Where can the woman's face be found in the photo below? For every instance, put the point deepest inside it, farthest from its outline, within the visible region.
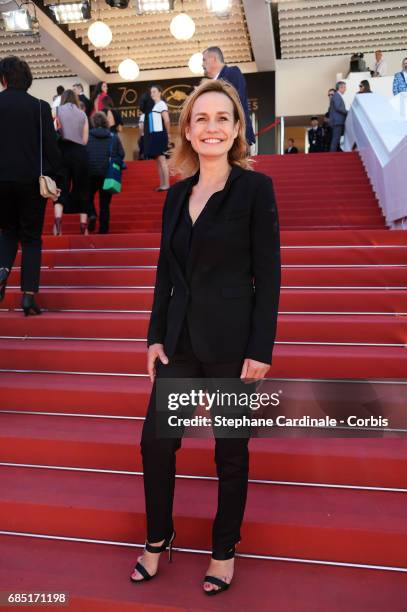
(155, 94)
(213, 129)
(104, 87)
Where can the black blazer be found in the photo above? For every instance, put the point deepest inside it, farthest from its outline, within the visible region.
(87, 104)
(20, 137)
(231, 291)
(316, 139)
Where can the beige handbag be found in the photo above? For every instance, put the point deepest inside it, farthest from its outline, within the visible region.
(48, 187)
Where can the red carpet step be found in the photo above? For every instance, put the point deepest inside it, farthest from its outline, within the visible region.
(129, 357)
(387, 328)
(100, 444)
(96, 577)
(291, 521)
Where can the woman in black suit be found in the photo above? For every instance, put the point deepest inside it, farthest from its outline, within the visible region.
(22, 208)
(215, 309)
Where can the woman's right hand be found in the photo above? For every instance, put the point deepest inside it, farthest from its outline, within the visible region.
(155, 351)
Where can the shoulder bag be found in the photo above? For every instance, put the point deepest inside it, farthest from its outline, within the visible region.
(48, 187)
(113, 179)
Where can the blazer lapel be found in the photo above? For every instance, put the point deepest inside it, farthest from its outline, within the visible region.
(209, 218)
(176, 208)
(221, 74)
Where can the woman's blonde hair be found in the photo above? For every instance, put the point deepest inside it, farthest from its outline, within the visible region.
(184, 160)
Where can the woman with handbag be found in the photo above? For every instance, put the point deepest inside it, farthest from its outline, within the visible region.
(102, 145)
(73, 128)
(214, 312)
(28, 148)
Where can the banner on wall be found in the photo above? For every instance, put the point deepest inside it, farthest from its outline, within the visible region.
(261, 94)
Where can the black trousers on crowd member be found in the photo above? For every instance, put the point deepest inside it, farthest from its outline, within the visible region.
(73, 178)
(158, 454)
(95, 185)
(22, 211)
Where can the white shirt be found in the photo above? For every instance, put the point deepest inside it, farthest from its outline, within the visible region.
(56, 102)
(380, 68)
(155, 117)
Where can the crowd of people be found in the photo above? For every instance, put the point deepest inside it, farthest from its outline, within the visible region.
(88, 139)
(326, 132)
(88, 135)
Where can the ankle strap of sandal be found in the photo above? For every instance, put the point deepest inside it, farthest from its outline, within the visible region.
(156, 549)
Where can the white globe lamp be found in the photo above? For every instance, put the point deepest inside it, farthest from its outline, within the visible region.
(99, 34)
(129, 70)
(195, 63)
(182, 27)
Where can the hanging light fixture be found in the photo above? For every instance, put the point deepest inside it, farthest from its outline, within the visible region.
(129, 69)
(182, 26)
(221, 8)
(195, 63)
(99, 33)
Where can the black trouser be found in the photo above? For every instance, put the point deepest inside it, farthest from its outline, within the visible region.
(96, 184)
(73, 178)
(158, 453)
(22, 211)
(337, 132)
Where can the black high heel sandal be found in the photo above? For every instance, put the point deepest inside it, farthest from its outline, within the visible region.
(29, 306)
(168, 542)
(223, 586)
(4, 273)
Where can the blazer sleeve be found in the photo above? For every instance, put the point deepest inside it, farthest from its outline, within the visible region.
(266, 269)
(162, 293)
(235, 77)
(339, 105)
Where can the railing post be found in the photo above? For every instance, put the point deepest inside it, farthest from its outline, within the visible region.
(281, 135)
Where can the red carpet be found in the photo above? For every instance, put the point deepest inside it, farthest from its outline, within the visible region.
(343, 314)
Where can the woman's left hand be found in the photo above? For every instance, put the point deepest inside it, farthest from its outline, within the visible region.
(253, 370)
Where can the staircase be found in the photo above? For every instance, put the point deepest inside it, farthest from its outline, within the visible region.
(320, 191)
(325, 527)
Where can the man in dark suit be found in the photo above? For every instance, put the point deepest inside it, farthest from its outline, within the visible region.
(337, 115)
(22, 208)
(315, 136)
(291, 146)
(215, 68)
